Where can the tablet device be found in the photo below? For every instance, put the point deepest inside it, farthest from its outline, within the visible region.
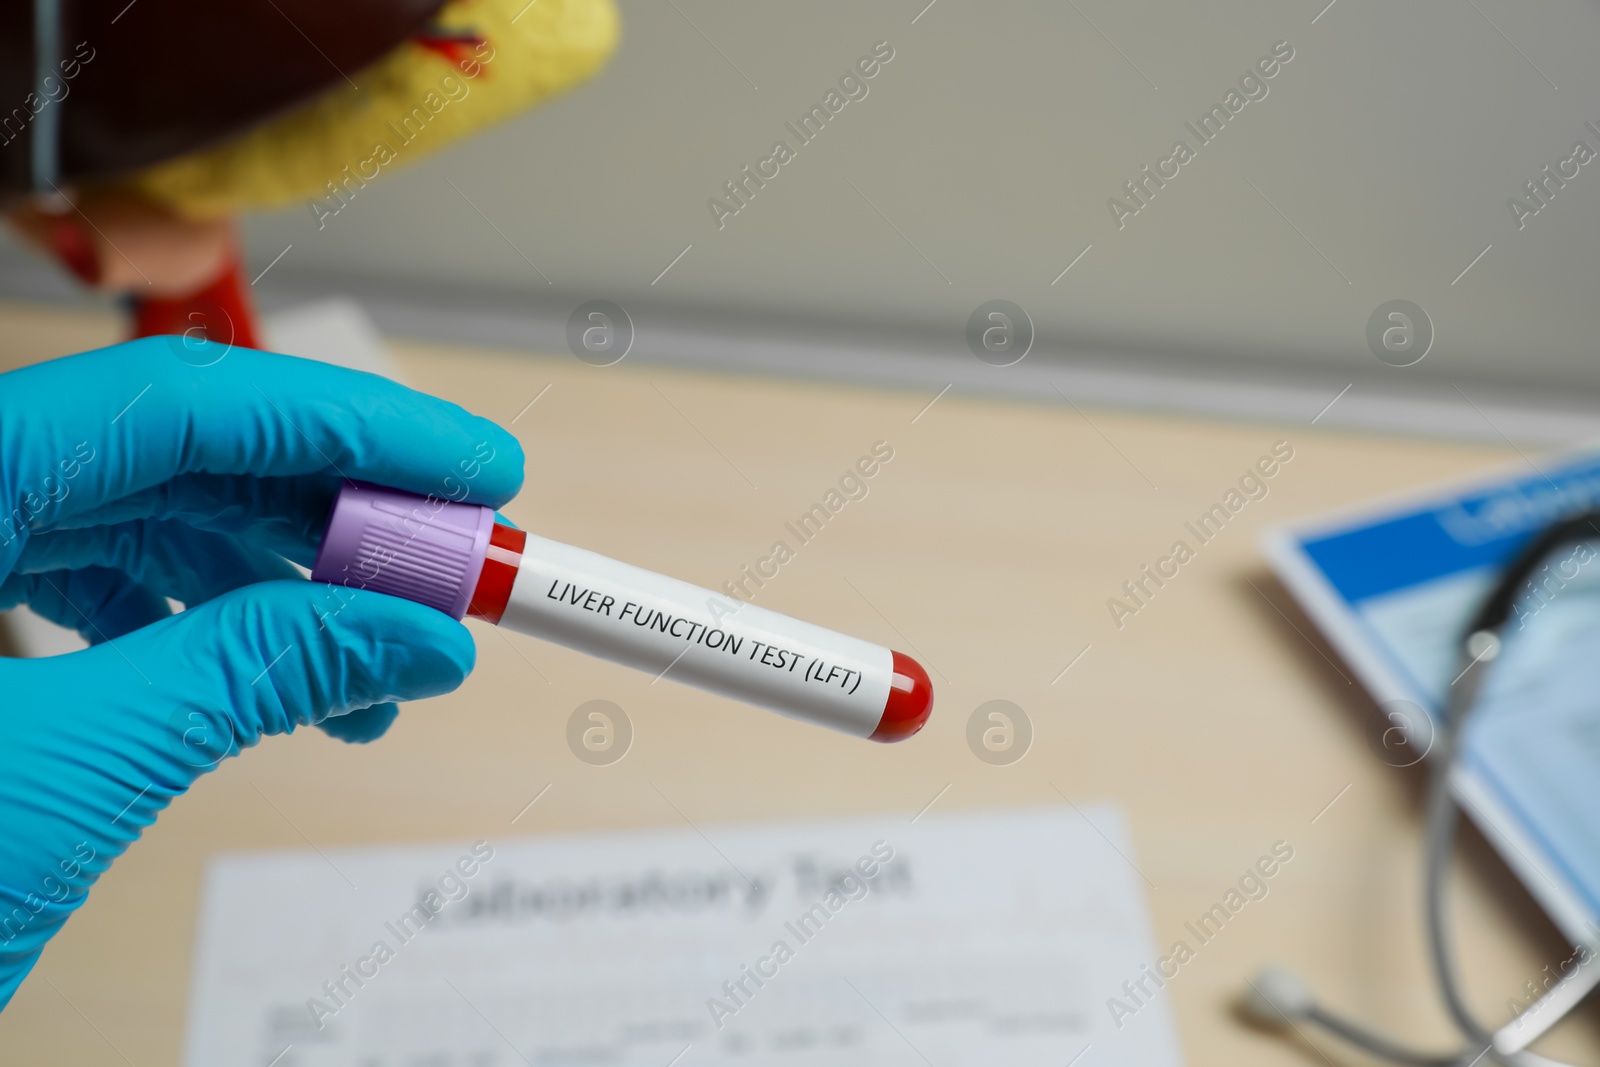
(1393, 585)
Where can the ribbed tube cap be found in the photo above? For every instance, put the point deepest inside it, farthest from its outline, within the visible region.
(425, 549)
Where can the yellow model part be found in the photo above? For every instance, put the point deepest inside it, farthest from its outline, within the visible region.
(412, 102)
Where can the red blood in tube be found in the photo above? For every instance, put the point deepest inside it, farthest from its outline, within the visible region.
(910, 701)
(499, 573)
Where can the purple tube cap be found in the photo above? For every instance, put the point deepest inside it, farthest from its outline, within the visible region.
(423, 548)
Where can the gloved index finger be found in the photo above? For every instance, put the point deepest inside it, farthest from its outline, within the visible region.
(134, 416)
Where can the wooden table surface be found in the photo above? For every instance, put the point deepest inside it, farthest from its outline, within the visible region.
(989, 546)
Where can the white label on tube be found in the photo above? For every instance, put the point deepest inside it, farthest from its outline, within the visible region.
(645, 620)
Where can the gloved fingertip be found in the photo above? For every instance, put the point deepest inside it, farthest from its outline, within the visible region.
(362, 725)
(502, 476)
(292, 653)
(424, 652)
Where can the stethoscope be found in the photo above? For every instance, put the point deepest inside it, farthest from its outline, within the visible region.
(1279, 999)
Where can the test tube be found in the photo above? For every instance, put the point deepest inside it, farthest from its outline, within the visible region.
(458, 559)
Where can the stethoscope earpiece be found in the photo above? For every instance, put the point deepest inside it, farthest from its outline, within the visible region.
(1276, 997)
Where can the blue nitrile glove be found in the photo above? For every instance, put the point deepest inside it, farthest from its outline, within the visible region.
(169, 467)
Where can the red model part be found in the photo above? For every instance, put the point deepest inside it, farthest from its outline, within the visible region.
(221, 311)
(910, 701)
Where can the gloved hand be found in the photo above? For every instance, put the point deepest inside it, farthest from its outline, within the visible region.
(170, 467)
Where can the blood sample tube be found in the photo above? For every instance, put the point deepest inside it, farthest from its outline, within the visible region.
(458, 559)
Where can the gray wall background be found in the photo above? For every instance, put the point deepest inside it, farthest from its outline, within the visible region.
(979, 166)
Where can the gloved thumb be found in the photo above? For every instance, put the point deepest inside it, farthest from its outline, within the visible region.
(103, 739)
(268, 658)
